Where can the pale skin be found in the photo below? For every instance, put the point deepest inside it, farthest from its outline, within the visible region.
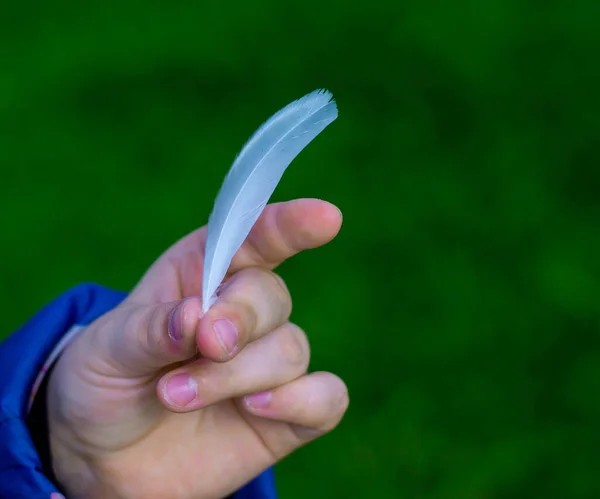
(150, 402)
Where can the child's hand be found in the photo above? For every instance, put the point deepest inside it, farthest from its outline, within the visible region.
(152, 401)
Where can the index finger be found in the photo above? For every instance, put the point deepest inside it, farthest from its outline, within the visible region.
(286, 229)
(283, 230)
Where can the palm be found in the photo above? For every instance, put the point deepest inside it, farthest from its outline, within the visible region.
(214, 440)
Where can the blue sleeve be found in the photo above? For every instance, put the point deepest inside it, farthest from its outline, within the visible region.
(22, 356)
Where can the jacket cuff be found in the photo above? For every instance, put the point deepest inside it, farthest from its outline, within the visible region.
(25, 358)
(22, 357)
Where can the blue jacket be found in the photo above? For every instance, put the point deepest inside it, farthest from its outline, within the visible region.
(25, 470)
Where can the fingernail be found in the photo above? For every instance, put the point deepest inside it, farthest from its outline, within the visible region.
(175, 323)
(258, 400)
(226, 334)
(56, 495)
(181, 390)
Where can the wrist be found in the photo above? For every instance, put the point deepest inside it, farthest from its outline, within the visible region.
(69, 467)
(72, 473)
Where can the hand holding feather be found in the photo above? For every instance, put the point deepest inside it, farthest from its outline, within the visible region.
(253, 177)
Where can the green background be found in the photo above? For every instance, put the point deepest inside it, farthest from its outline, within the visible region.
(460, 302)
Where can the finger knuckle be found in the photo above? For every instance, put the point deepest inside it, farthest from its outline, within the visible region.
(261, 300)
(294, 346)
(279, 286)
(144, 326)
(281, 294)
(273, 285)
(273, 282)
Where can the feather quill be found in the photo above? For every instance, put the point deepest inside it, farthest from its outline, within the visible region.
(253, 177)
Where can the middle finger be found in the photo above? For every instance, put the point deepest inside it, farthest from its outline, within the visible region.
(251, 303)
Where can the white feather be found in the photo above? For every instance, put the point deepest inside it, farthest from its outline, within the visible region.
(253, 177)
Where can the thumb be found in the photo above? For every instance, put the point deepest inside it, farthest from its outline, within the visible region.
(138, 340)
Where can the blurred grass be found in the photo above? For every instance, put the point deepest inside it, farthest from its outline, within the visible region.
(461, 300)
